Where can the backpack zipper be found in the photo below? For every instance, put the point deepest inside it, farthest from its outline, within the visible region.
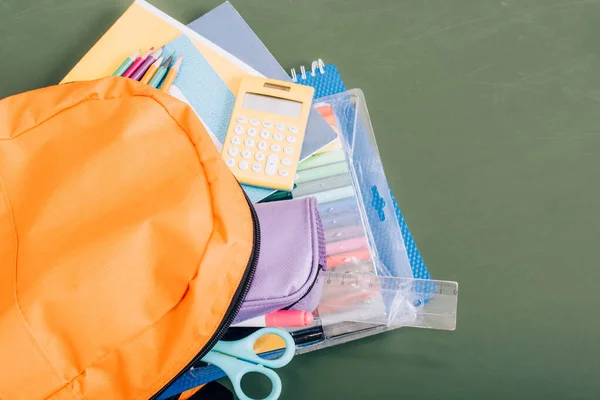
(236, 303)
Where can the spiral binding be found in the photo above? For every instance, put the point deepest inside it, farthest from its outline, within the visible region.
(317, 65)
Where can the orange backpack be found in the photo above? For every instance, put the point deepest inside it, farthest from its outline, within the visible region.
(126, 245)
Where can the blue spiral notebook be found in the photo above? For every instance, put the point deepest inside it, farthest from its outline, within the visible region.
(327, 81)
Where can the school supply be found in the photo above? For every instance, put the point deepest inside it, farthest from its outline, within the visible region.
(290, 261)
(389, 301)
(161, 72)
(224, 27)
(237, 358)
(320, 185)
(151, 71)
(327, 81)
(139, 73)
(171, 75)
(311, 174)
(342, 234)
(136, 191)
(281, 318)
(272, 116)
(137, 63)
(126, 64)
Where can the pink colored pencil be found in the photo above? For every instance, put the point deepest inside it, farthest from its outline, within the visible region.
(136, 64)
(139, 73)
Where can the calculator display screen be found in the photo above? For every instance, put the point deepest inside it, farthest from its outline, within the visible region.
(276, 105)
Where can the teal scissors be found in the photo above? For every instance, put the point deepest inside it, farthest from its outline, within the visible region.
(237, 358)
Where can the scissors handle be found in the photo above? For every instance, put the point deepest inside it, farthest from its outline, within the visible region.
(236, 369)
(244, 348)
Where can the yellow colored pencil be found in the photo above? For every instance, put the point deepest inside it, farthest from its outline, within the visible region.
(151, 71)
(171, 75)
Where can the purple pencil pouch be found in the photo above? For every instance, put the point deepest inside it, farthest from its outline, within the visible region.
(292, 252)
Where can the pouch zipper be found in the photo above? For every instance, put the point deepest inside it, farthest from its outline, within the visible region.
(236, 303)
(310, 288)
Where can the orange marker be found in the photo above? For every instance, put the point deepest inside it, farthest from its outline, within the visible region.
(171, 75)
(151, 71)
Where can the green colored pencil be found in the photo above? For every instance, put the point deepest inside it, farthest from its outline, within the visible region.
(126, 64)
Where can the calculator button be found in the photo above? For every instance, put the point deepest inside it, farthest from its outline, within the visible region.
(252, 132)
(281, 127)
(262, 145)
(254, 122)
(291, 139)
(278, 136)
(236, 140)
(233, 151)
(241, 120)
(243, 165)
(246, 154)
(256, 167)
(268, 124)
(230, 162)
(285, 161)
(293, 129)
(249, 143)
(259, 156)
(288, 150)
(276, 147)
(265, 134)
(238, 129)
(284, 172)
(271, 167)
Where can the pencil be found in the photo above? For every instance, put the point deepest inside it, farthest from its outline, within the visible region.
(126, 64)
(139, 73)
(171, 75)
(136, 64)
(151, 71)
(162, 71)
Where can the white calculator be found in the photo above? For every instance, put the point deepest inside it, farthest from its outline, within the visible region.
(266, 131)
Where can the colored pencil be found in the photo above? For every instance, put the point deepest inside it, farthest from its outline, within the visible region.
(126, 64)
(139, 73)
(171, 75)
(162, 71)
(138, 61)
(151, 71)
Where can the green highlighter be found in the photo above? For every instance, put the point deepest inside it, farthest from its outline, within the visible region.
(325, 171)
(161, 72)
(319, 160)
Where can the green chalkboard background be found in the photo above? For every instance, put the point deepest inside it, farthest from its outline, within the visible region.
(487, 118)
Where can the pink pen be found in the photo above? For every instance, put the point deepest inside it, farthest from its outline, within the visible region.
(345, 245)
(348, 258)
(136, 64)
(281, 318)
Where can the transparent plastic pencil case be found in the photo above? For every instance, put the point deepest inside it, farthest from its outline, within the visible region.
(368, 285)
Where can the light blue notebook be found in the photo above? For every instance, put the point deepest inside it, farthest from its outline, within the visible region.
(200, 86)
